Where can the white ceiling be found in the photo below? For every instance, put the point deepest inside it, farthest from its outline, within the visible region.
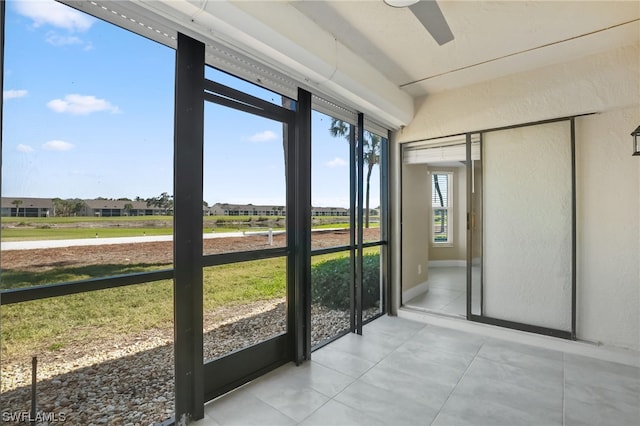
(375, 58)
(492, 38)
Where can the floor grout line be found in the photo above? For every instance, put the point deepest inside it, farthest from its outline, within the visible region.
(473, 359)
(457, 383)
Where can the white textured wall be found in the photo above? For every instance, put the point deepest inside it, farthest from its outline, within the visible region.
(608, 252)
(527, 224)
(608, 228)
(415, 229)
(592, 84)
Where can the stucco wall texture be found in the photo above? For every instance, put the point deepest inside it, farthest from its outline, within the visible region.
(607, 176)
(527, 223)
(415, 235)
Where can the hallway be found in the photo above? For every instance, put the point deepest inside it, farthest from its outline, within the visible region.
(447, 292)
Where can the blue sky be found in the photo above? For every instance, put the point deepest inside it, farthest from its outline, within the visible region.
(88, 112)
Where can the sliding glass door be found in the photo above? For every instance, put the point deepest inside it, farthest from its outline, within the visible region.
(521, 229)
(475, 247)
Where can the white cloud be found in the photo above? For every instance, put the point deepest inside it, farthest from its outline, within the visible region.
(12, 94)
(57, 146)
(24, 148)
(265, 136)
(81, 105)
(55, 14)
(56, 39)
(336, 162)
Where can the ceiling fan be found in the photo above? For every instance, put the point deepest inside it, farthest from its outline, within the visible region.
(429, 14)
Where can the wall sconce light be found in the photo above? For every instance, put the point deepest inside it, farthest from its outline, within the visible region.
(636, 141)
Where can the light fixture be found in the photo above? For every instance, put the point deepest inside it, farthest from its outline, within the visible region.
(400, 3)
(636, 141)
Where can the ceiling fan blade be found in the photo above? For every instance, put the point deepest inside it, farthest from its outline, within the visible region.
(429, 14)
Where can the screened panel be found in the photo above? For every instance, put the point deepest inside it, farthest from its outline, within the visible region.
(244, 304)
(108, 348)
(330, 181)
(244, 200)
(331, 280)
(371, 282)
(87, 145)
(372, 207)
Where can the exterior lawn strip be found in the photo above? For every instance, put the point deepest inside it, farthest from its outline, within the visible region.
(56, 228)
(50, 324)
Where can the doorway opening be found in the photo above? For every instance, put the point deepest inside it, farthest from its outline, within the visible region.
(519, 218)
(434, 231)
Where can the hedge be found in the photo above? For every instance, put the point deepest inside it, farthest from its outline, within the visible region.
(330, 282)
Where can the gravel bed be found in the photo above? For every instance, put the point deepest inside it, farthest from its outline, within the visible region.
(130, 381)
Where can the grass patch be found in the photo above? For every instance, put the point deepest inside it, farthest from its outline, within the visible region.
(220, 229)
(344, 225)
(17, 278)
(83, 219)
(56, 346)
(244, 282)
(62, 228)
(51, 324)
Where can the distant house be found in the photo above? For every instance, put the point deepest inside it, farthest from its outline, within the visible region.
(26, 207)
(329, 211)
(225, 209)
(45, 207)
(118, 208)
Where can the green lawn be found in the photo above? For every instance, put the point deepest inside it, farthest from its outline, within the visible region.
(57, 228)
(82, 219)
(51, 324)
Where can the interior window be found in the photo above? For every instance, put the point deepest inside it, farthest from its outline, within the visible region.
(441, 185)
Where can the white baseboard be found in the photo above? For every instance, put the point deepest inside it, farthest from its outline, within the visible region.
(447, 263)
(415, 291)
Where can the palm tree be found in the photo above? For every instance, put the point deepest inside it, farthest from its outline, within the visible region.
(436, 185)
(17, 204)
(371, 154)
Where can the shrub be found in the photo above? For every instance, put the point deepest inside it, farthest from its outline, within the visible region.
(331, 278)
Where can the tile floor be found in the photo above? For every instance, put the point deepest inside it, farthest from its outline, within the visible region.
(447, 292)
(402, 372)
